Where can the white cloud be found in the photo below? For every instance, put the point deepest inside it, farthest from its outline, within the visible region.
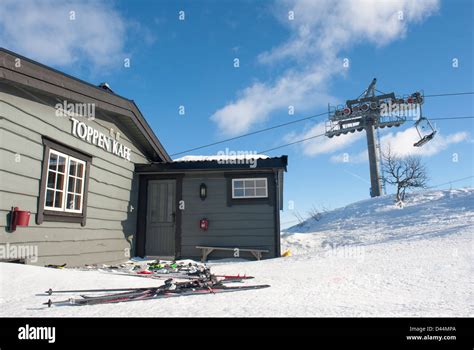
(331, 26)
(257, 101)
(319, 33)
(401, 144)
(43, 30)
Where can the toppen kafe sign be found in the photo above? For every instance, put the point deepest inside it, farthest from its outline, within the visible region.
(99, 139)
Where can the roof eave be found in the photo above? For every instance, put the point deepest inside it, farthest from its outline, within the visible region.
(109, 101)
(214, 165)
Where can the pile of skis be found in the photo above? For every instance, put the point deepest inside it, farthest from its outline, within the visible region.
(164, 270)
(198, 280)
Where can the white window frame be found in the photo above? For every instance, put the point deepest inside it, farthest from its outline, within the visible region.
(66, 183)
(255, 187)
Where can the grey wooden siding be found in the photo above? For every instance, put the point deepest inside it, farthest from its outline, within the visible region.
(107, 236)
(251, 225)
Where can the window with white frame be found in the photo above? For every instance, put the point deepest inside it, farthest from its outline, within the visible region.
(250, 188)
(64, 183)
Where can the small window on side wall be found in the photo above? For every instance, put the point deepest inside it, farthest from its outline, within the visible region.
(64, 184)
(249, 188)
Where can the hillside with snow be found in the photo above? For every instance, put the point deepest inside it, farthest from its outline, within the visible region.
(370, 258)
(424, 215)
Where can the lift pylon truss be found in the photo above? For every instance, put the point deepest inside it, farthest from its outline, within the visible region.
(370, 112)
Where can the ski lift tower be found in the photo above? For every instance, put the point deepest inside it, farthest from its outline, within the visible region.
(365, 113)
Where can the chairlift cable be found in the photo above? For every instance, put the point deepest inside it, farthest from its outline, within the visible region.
(450, 94)
(291, 143)
(314, 116)
(252, 133)
(312, 137)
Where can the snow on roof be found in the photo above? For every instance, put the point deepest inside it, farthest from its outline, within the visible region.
(220, 157)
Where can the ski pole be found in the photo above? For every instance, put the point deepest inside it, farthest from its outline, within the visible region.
(51, 291)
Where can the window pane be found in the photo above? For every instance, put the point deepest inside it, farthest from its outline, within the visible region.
(260, 183)
(53, 161)
(71, 184)
(238, 192)
(70, 201)
(250, 192)
(249, 183)
(72, 167)
(58, 199)
(238, 184)
(61, 164)
(260, 192)
(80, 169)
(77, 203)
(49, 198)
(60, 182)
(78, 186)
(51, 179)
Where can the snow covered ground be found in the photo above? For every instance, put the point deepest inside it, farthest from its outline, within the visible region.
(367, 259)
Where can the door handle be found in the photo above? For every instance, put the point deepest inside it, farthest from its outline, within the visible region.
(173, 215)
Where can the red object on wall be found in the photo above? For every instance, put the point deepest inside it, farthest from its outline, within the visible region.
(204, 224)
(19, 218)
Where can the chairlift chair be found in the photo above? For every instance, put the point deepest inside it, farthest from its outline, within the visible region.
(425, 130)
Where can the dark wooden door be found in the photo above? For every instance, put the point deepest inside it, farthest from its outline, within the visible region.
(161, 218)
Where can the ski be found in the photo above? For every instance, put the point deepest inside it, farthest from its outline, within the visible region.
(231, 277)
(188, 276)
(138, 290)
(99, 300)
(51, 291)
(151, 294)
(169, 285)
(227, 279)
(130, 294)
(155, 275)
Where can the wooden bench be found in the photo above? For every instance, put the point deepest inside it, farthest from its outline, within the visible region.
(257, 253)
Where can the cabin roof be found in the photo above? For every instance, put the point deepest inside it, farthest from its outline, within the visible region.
(37, 76)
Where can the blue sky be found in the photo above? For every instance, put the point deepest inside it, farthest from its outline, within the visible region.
(283, 62)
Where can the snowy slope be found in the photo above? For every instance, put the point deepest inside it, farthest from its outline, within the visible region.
(425, 215)
(368, 259)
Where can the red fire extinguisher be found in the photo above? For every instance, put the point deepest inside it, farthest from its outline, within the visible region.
(204, 224)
